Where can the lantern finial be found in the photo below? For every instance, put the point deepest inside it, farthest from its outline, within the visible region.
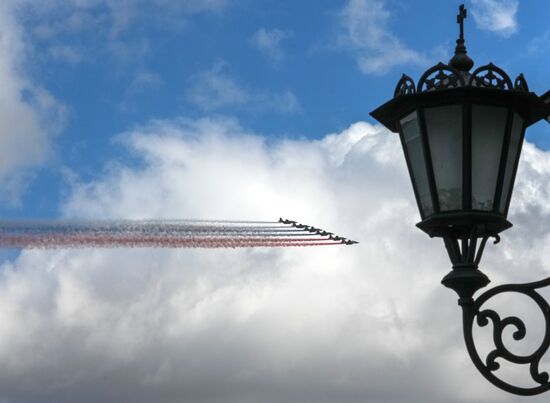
(462, 14)
(461, 61)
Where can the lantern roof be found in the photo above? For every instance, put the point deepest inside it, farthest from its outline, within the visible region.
(443, 85)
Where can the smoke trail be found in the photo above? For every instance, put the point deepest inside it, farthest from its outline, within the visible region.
(49, 234)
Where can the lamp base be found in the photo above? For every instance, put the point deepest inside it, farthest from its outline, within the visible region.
(465, 280)
(459, 224)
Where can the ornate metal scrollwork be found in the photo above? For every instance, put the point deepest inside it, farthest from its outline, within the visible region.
(440, 76)
(521, 84)
(443, 76)
(494, 77)
(405, 86)
(472, 311)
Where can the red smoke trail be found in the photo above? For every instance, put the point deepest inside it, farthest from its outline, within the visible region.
(102, 241)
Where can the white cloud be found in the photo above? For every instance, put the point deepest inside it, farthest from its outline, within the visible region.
(499, 16)
(539, 44)
(30, 116)
(66, 53)
(215, 89)
(285, 102)
(143, 82)
(86, 27)
(269, 41)
(367, 323)
(74, 15)
(367, 34)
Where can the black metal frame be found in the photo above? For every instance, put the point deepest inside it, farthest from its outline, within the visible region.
(503, 158)
(515, 170)
(410, 170)
(428, 160)
(467, 156)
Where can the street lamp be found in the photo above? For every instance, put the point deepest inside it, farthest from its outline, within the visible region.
(462, 134)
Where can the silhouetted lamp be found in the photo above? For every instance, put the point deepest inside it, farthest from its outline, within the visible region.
(462, 134)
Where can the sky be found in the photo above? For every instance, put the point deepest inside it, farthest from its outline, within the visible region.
(246, 110)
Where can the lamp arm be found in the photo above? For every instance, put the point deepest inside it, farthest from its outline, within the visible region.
(472, 311)
(546, 98)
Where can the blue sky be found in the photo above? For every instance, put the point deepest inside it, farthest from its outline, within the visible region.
(282, 69)
(245, 109)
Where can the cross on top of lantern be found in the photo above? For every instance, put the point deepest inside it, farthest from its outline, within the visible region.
(462, 133)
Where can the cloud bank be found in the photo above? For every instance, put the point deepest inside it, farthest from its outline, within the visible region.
(368, 323)
(214, 89)
(268, 41)
(76, 31)
(30, 116)
(499, 16)
(366, 33)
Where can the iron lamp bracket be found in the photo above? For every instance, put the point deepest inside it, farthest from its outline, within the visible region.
(546, 99)
(473, 312)
(465, 279)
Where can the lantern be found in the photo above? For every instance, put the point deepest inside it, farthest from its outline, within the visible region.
(461, 133)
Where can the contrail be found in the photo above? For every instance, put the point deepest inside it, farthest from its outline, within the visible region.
(55, 234)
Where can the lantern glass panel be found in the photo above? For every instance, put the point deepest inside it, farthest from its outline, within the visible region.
(414, 150)
(444, 127)
(488, 129)
(513, 154)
